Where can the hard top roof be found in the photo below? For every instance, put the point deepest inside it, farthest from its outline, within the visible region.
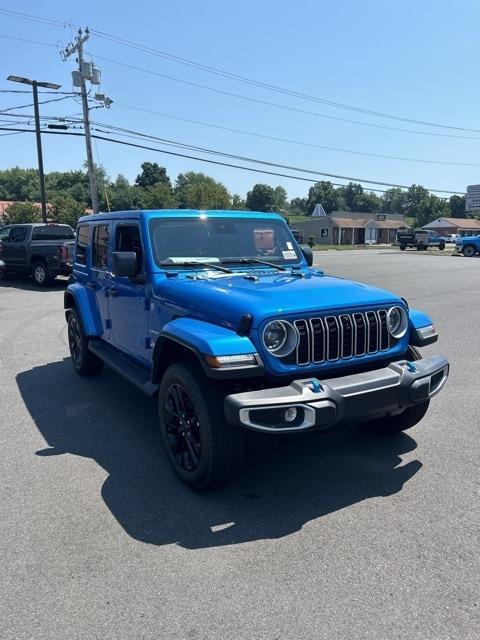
(178, 213)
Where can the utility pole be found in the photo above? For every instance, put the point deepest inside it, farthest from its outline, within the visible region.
(35, 84)
(77, 46)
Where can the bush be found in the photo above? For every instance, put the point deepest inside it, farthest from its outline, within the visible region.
(311, 241)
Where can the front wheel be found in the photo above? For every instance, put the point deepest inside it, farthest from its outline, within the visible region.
(203, 449)
(84, 361)
(403, 247)
(409, 417)
(469, 250)
(441, 246)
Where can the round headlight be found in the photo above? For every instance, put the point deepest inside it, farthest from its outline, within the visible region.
(397, 322)
(280, 338)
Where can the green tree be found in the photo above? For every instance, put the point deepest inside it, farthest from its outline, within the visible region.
(280, 199)
(298, 206)
(151, 174)
(66, 210)
(238, 203)
(367, 202)
(429, 208)
(416, 197)
(198, 191)
(262, 197)
(350, 193)
(160, 196)
(456, 205)
(19, 184)
(22, 212)
(123, 196)
(394, 201)
(324, 193)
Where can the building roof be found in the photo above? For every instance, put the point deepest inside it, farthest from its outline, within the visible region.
(358, 223)
(460, 223)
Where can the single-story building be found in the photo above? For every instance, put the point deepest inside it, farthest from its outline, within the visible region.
(462, 226)
(349, 227)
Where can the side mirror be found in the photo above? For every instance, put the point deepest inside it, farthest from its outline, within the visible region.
(124, 263)
(307, 254)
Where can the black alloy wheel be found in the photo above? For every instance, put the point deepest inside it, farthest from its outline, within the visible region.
(182, 427)
(203, 449)
(84, 361)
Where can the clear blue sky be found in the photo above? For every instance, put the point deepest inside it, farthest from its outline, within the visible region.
(413, 59)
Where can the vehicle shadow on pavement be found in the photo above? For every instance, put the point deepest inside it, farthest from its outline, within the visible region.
(282, 487)
(27, 284)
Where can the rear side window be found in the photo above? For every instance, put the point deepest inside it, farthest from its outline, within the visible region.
(82, 244)
(100, 247)
(53, 232)
(4, 233)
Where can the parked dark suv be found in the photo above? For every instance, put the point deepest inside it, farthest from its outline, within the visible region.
(42, 250)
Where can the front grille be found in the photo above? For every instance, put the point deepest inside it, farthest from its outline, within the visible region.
(341, 337)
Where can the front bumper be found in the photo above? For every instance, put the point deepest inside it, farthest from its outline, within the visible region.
(348, 399)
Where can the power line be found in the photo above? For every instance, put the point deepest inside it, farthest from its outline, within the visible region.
(119, 130)
(296, 142)
(234, 76)
(24, 106)
(45, 44)
(290, 108)
(182, 155)
(281, 106)
(270, 87)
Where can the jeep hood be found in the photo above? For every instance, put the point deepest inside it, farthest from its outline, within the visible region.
(224, 300)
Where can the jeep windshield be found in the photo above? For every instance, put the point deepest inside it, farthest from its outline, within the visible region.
(182, 242)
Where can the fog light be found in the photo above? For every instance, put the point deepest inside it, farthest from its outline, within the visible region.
(290, 414)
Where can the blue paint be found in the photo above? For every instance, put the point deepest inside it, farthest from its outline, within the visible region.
(205, 312)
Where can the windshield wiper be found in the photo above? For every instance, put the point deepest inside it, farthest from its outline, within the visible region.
(195, 263)
(253, 261)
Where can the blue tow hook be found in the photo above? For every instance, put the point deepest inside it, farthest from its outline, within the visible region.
(315, 386)
(410, 366)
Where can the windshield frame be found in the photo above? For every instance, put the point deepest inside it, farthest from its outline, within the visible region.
(155, 223)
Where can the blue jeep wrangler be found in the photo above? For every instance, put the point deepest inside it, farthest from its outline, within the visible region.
(221, 314)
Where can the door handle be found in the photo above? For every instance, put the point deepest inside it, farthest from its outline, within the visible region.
(112, 292)
(91, 285)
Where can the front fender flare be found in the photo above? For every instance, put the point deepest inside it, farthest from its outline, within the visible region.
(84, 302)
(205, 339)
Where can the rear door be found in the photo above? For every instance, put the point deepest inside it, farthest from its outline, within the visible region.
(100, 277)
(128, 300)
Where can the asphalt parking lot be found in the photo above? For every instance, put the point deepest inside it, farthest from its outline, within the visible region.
(347, 535)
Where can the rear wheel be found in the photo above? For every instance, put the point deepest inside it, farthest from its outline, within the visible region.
(441, 246)
(84, 361)
(203, 449)
(469, 250)
(409, 417)
(41, 273)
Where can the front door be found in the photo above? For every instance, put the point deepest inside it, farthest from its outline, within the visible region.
(371, 235)
(15, 248)
(128, 301)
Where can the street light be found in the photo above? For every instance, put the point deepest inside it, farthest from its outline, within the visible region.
(45, 85)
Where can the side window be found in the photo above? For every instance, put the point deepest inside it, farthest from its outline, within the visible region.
(4, 233)
(18, 234)
(127, 238)
(100, 246)
(82, 244)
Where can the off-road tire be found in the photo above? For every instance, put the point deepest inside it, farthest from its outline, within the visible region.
(41, 273)
(221, 445)
(441, 246)
(84, 361)
(409, 417)
(469, 250)
(403, 247)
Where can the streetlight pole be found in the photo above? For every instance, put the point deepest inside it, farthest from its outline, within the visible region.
(48, 85)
